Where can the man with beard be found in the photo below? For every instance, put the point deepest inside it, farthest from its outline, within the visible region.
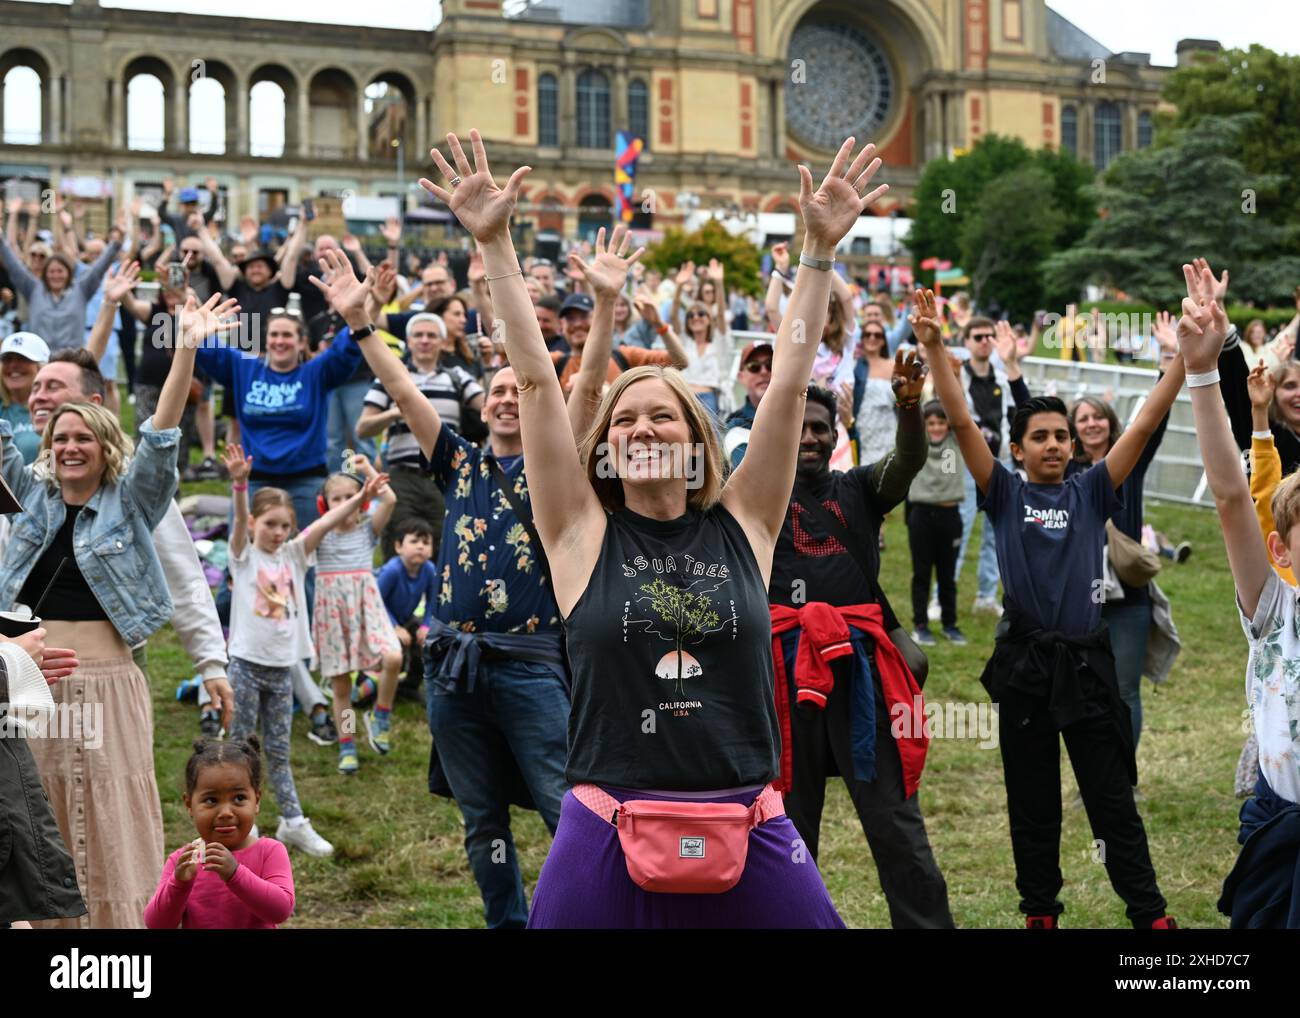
(840, 716)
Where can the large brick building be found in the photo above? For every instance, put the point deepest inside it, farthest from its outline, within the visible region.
(726, 94)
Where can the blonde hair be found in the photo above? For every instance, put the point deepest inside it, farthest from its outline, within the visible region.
(610, 489)
(107, 431)
(1279, 375)
(266, 499)
(1286, 505)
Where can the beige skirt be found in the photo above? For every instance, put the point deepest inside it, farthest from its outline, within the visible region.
(96, 765)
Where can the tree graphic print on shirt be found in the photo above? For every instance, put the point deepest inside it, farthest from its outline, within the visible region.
(687, 617)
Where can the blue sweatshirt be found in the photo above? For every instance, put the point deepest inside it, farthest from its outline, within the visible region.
(283, 415)
(402, 592)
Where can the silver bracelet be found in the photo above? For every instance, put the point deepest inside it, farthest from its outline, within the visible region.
(493, 279)
(1204, 378)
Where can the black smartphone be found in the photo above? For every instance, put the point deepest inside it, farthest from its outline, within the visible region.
(177, 275)
(308, 209)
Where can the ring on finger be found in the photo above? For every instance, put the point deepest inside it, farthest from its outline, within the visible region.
(454, 182)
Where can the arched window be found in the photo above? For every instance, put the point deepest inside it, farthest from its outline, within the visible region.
(594, 213)
(593, 110)
(22, 112)
(146, 114)
(548, 111)
(638, 110)
(1070, 130)
(1107, 134)
(266, 119)
(1144, 130)
(207, 117)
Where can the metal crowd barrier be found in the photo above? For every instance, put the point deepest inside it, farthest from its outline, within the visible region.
(1176, 473)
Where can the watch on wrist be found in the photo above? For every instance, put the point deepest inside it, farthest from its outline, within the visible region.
(366, 330)
(823, 264)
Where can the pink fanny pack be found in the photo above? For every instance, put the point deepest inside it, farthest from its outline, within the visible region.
(683, 847)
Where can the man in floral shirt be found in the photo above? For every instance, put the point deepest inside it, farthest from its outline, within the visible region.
(497, 684)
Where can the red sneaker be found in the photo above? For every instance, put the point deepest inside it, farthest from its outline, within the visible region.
(1041, 922)
(1165, 923)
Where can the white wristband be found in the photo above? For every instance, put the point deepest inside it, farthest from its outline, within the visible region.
(1210, 377)
(1263, 436)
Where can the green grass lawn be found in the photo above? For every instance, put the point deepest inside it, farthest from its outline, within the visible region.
(400, 861)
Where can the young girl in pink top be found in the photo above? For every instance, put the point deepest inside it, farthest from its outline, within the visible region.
(227, 878)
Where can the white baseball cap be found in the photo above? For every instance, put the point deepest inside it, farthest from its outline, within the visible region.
(26, 344)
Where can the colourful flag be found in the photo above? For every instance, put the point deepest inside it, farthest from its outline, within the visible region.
(626, 151)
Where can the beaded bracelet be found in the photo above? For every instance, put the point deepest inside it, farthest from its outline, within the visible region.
(908, 404)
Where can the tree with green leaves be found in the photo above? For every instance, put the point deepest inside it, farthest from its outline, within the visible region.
(1257, 81)
(690, 615)
(949, 194)
(738, 256)
(1192, 196)
(1004, 242)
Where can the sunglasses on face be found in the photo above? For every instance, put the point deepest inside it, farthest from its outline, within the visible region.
(754, 367)
(982, 337)
(698, 314)
(873, 334)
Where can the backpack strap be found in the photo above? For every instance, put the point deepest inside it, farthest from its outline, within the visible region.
(620, 358)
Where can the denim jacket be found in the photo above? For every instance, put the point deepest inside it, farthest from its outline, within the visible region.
(113, 535)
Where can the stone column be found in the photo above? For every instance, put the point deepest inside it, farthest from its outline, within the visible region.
(568, 104)
(363, 127)
(117, 124)
(304, 120)
(618, 104)
(241, 143)
(421, 131)
(180, 115)
(53, 133)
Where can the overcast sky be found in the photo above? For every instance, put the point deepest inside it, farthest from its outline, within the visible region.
(1153, 26)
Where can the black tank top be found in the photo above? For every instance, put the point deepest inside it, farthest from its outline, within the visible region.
(671, 650)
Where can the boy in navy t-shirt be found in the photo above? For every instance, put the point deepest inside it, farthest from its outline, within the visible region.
(1052, 670)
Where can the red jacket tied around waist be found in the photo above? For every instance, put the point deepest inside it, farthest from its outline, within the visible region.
(824, 636)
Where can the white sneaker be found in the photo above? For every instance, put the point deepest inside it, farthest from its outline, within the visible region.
(303, 836)
(934, 612)
(988, 604)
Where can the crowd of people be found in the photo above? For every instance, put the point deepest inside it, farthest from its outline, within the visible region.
(667, 631)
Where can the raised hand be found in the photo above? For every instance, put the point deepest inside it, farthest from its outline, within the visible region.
(391, 231)
(121, 281)
(685, 274)
(196, 322)
(844, 400)
(1218, 288)
(350, 243)
(647, 308)
(781, 257)
(385, 287)
(716, 270)
(345, 293)
(361, 465)
(477, 271)
(1204, 324)
(482, 207)
(374, 487)
(925, 319)
(1165, 330)
(1259, 383)
(607, 271)
(830, 211)
(1004, 341)
(249, 230)
(238, 465)
(908, 378)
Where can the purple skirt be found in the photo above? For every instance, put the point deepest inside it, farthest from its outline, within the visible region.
(584, 882)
